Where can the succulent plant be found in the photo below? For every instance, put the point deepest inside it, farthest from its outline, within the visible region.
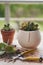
(7, 27)
(10, 49)
(29, 26)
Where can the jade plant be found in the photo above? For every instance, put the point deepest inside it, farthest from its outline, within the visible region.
(7, 48)
(10, 49)
(29, 26)
(7, 27)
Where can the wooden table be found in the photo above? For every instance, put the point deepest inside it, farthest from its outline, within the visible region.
(18, 62)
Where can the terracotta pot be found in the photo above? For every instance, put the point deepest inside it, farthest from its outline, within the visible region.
(8, 36)
(29, 39)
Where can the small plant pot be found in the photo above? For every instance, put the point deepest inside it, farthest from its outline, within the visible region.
(8, 36)
(29, 39)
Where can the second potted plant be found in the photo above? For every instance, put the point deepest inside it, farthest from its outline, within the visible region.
(29, 35)
(7, 34)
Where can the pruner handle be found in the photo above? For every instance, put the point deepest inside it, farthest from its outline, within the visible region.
(33, 59)
(28, 51)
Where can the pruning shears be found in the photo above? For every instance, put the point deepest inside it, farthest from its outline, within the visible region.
(29, 58)
(20, 56)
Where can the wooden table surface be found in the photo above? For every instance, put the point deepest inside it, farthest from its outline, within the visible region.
(19, 62)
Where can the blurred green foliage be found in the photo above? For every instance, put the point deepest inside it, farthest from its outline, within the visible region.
(23, 10)
(2, 10)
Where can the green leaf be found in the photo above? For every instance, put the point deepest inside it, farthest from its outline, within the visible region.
(2, 46)
(10, 49)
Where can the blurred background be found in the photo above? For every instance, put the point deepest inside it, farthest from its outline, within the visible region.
(22, 11)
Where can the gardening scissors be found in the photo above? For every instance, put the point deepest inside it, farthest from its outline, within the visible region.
(29, 58)
(20, 56)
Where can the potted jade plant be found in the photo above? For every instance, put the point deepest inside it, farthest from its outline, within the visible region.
(29, 35)
(7, 34)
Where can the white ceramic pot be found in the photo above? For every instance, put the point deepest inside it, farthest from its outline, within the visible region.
(29, 39)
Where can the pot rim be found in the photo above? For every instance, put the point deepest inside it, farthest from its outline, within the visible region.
(29, 31)
(7, 31)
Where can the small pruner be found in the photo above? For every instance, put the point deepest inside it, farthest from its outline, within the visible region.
(22, 53)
